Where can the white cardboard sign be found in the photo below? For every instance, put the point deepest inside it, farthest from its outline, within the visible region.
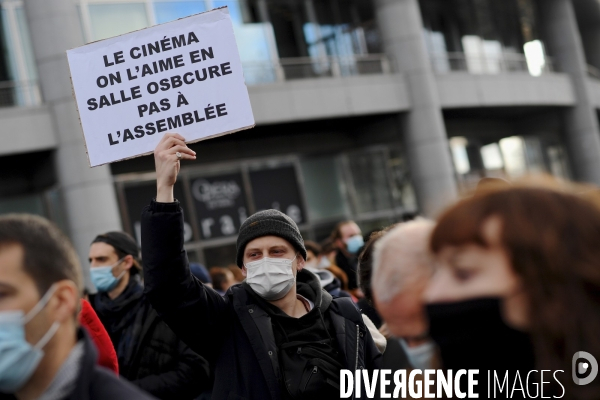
(184, 76)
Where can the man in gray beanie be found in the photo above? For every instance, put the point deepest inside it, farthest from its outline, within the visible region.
(277, 335)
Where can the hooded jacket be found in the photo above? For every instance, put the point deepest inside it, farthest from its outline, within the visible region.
(234, 333)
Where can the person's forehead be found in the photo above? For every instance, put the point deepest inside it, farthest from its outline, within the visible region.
(349, 228)
(265, 242)
(12, 272)
(101, 249)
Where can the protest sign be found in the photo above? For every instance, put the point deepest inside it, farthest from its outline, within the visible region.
(184, 76)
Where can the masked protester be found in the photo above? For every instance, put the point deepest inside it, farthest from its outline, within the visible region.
(43, 353)
(329, 281)
(277, 335)
(349, 241)
(402, 267)
(149, 354)
(331, 284)
(517, 288)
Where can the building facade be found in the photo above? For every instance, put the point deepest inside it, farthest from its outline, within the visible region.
(369, 110)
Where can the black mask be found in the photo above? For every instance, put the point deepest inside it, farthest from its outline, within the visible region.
(472, 335)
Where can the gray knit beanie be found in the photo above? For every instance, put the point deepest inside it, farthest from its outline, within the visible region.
(266, 223)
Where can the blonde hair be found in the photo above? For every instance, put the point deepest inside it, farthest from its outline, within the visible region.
(401, 257)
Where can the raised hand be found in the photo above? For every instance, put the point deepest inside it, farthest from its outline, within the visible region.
(170, 150)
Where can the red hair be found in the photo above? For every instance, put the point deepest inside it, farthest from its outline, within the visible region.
(552, 239)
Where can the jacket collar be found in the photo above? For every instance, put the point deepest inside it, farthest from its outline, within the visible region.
(309, 286)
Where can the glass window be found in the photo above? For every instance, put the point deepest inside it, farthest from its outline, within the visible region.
(536, 57)
(559, 164)
(25, 42)
(483, 36)
(277, 188)
(458, 145)
(110, 20)
(27, 92)
(402, 188)
(32, 204)
(513, 153)
(234, 9)
(16, 61)
(370, 179)
(166, 11)
(258, 52)
(492, 157)
(322, 188)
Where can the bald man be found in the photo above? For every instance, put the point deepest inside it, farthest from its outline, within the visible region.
(402, 267)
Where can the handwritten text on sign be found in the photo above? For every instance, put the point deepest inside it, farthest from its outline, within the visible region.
(184, 76)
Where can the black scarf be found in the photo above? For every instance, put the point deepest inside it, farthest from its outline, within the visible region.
(124, 318)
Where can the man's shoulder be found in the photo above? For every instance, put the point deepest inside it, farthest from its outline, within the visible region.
(345, 307)
(105, 385)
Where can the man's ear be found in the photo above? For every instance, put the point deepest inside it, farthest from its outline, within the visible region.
(301, 262)
(128, 262)
(65, 302)
(244, 271)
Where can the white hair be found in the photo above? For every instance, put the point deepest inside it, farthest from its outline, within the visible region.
(401, 257)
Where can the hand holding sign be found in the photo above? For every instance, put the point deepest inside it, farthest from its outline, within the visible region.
(184, 75)
(170, 150)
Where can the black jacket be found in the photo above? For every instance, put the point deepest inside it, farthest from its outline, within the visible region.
(350, 266)
(159, 363)
(98, 383)
(165, 366)
(232, 332)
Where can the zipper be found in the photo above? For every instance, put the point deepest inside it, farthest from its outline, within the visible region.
(356, 362)
(314, 371)
(357, 343)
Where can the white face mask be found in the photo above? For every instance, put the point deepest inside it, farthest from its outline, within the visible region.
(271, 278)
(324, 263)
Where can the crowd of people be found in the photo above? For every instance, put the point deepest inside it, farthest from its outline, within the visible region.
(507, 279)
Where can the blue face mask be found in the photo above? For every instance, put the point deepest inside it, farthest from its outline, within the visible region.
(18, 358)
(103, 279)
(420, 356)
(354, 244)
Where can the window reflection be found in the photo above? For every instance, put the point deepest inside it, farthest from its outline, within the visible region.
(323, 188)
(483, 36)
(278, 40)
(18, 74)
(370, 180)
(110, 20)
(166, 11)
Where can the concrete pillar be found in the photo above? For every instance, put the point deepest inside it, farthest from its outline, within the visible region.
(88, 194)
(591, 44)
(562, 38)
(425, 137)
